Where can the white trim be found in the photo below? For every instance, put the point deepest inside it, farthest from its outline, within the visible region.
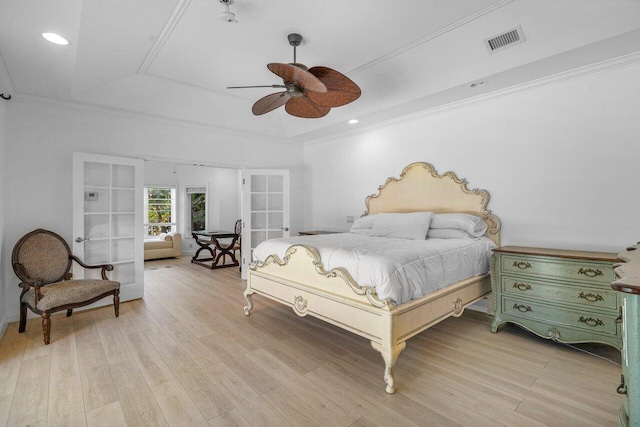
(86, 106)
(194, 162)
(434, 35)
(176, 16)
(187, 207)
(531, 85)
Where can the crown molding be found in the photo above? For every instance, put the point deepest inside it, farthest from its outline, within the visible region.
(532, 85)
(434, 35)
(148, 117)
(175, 17)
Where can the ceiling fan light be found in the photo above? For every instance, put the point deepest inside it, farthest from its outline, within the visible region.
(55, 38)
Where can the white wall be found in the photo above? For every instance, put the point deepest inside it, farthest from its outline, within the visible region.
(562, 163)
(42, 137)
(4, 245)
(223, 205)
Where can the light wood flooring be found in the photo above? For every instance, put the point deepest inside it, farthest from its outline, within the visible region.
(187, 355)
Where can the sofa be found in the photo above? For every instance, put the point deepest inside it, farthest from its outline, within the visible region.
(166, 245)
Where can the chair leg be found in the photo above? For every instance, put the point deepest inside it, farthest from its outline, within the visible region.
(116, 302)
(23, 318)
(69, 312)
(46, 326)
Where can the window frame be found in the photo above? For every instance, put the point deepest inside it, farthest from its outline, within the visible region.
(174, 211)
(187, 206)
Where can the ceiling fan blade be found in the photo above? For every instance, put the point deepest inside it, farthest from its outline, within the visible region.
(341, 89)
(305, 108)
(270, 103)
(247, 87)
(295, 74)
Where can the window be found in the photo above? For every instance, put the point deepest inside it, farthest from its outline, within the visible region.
(159, 210)
(196, 209)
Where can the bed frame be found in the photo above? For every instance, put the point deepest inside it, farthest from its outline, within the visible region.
(300, 281)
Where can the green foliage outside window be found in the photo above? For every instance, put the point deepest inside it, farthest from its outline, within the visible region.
(159, 208)
(198, 206)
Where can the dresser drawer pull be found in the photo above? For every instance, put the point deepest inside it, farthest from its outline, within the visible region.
(522, 265)
(521, 307)
(590, 272)
(619, 318)
(622, 388)
(591, 297)
(591, 321)
(522, 286)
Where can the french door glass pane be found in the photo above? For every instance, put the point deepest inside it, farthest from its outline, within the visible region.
(276, 183)
(96, 251)
(96, 200)
(96, 174)
(258, 202)
(123, 176)
(122, 250)
(96, 226)
(258, 183)
(123, 225)
(124, 200)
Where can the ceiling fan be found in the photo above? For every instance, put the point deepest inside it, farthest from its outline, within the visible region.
(309, 92)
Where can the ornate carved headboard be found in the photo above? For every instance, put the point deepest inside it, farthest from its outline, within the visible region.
(421, 189)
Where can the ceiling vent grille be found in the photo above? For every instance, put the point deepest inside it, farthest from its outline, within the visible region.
(505, 39)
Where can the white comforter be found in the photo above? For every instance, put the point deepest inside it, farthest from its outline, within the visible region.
(399, 269)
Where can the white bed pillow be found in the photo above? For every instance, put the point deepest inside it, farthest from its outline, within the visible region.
(472, 224)
(448, 233)
(413, 225)
(363, 225)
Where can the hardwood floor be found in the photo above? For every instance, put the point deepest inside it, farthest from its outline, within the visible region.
(187, 355)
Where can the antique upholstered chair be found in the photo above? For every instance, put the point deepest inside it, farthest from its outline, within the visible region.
(42, 261)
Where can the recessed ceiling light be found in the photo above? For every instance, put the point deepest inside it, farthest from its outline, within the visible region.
(353, 121)
(479, 83)
(55, 38)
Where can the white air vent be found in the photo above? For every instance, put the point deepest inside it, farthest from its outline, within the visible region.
(505, 39)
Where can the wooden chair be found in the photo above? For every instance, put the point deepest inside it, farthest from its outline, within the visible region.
(42, 260)
(237, 228)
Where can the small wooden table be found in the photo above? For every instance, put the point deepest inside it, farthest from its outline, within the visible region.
(205, 239)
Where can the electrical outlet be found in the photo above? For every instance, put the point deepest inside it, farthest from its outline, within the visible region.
(190, 245)
(349, 220)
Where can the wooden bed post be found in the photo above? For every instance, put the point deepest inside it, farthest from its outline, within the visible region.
(389, 349)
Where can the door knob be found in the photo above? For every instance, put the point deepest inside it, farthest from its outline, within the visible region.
(80, 239)
(285, 228)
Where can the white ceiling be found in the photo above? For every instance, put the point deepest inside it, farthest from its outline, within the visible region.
(173, 59)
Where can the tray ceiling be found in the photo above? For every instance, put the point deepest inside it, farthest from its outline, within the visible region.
(173, 59)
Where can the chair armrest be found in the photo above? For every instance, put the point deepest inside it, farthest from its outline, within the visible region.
(104, 267)
(27, 282)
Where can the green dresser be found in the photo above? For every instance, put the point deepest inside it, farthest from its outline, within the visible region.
(628, 285)
(558, 294)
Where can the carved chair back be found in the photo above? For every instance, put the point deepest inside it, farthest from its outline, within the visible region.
(43, 255)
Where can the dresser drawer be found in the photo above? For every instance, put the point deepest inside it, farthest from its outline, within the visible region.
(548, 291)
(565, 269)
(577, 319)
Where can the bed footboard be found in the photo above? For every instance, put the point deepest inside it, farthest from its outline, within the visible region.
(300, 281)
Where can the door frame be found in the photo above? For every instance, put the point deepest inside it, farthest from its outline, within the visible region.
(128, 291)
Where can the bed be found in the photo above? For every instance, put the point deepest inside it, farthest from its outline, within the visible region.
(299, 278)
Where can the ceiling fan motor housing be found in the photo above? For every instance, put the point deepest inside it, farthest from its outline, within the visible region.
(294, 39)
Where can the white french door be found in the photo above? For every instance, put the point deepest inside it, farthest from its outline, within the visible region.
(265, 209)
(107, 219)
